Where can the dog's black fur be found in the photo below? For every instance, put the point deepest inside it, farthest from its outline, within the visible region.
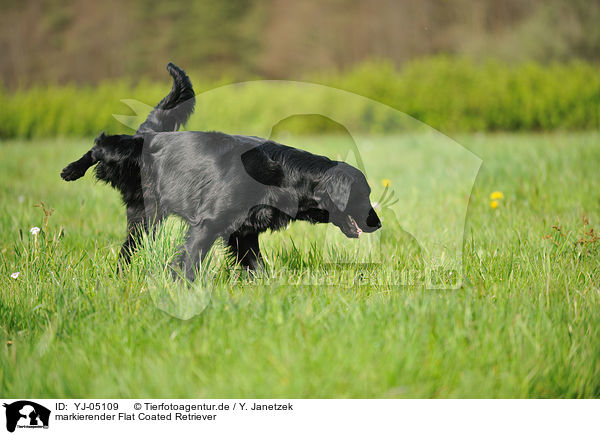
(234, 187)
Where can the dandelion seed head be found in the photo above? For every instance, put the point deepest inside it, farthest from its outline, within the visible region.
(34, 231)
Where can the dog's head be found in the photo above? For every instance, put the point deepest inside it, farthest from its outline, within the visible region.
(344, 194)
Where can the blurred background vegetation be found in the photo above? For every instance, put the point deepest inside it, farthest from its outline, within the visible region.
(459, 65)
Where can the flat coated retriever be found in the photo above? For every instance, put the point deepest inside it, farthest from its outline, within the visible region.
(227, 186)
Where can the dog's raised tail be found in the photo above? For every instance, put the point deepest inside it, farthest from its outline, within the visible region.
(175, 109)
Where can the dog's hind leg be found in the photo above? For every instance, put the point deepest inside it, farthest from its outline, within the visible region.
(117, 148)
(78, 168)
(198, 242)
(246, 250)
(108, 149)
(130, 244)
(137, 225)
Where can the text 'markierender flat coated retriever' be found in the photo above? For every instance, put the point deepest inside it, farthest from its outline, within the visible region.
(229, 186)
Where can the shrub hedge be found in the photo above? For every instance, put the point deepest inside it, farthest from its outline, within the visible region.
(450, 94)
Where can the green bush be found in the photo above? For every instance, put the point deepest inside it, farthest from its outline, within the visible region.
(457, 94)
(450, 94)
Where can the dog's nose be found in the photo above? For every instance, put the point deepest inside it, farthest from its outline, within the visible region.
(372, 227)
(373, 220)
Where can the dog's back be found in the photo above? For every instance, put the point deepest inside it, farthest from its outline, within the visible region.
(189, 171)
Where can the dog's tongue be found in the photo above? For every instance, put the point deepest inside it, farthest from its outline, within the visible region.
(358, 230)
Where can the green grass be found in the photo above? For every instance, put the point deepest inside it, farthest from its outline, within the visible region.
(524, 323)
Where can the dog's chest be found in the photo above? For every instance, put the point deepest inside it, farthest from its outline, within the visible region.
(263, 217)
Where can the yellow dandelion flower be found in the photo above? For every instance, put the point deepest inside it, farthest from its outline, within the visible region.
(386, 182)
(496, 195)
(494, 204)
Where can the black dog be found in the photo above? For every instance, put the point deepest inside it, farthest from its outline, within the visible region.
(121, 169)
(233, 187)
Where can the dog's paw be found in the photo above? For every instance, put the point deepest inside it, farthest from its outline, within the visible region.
(72, 172)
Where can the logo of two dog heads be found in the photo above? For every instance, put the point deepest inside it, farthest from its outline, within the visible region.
(26, 414)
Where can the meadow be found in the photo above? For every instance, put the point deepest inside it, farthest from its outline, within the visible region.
(523, 322)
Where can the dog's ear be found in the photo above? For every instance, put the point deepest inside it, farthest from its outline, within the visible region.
(262, 168)
(338, 184)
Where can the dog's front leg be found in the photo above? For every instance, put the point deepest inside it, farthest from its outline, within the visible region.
(246, 250)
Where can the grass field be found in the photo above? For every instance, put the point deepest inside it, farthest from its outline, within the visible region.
(524, 323)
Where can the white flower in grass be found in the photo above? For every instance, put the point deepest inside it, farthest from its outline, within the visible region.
(34, 231)
(15, 275)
